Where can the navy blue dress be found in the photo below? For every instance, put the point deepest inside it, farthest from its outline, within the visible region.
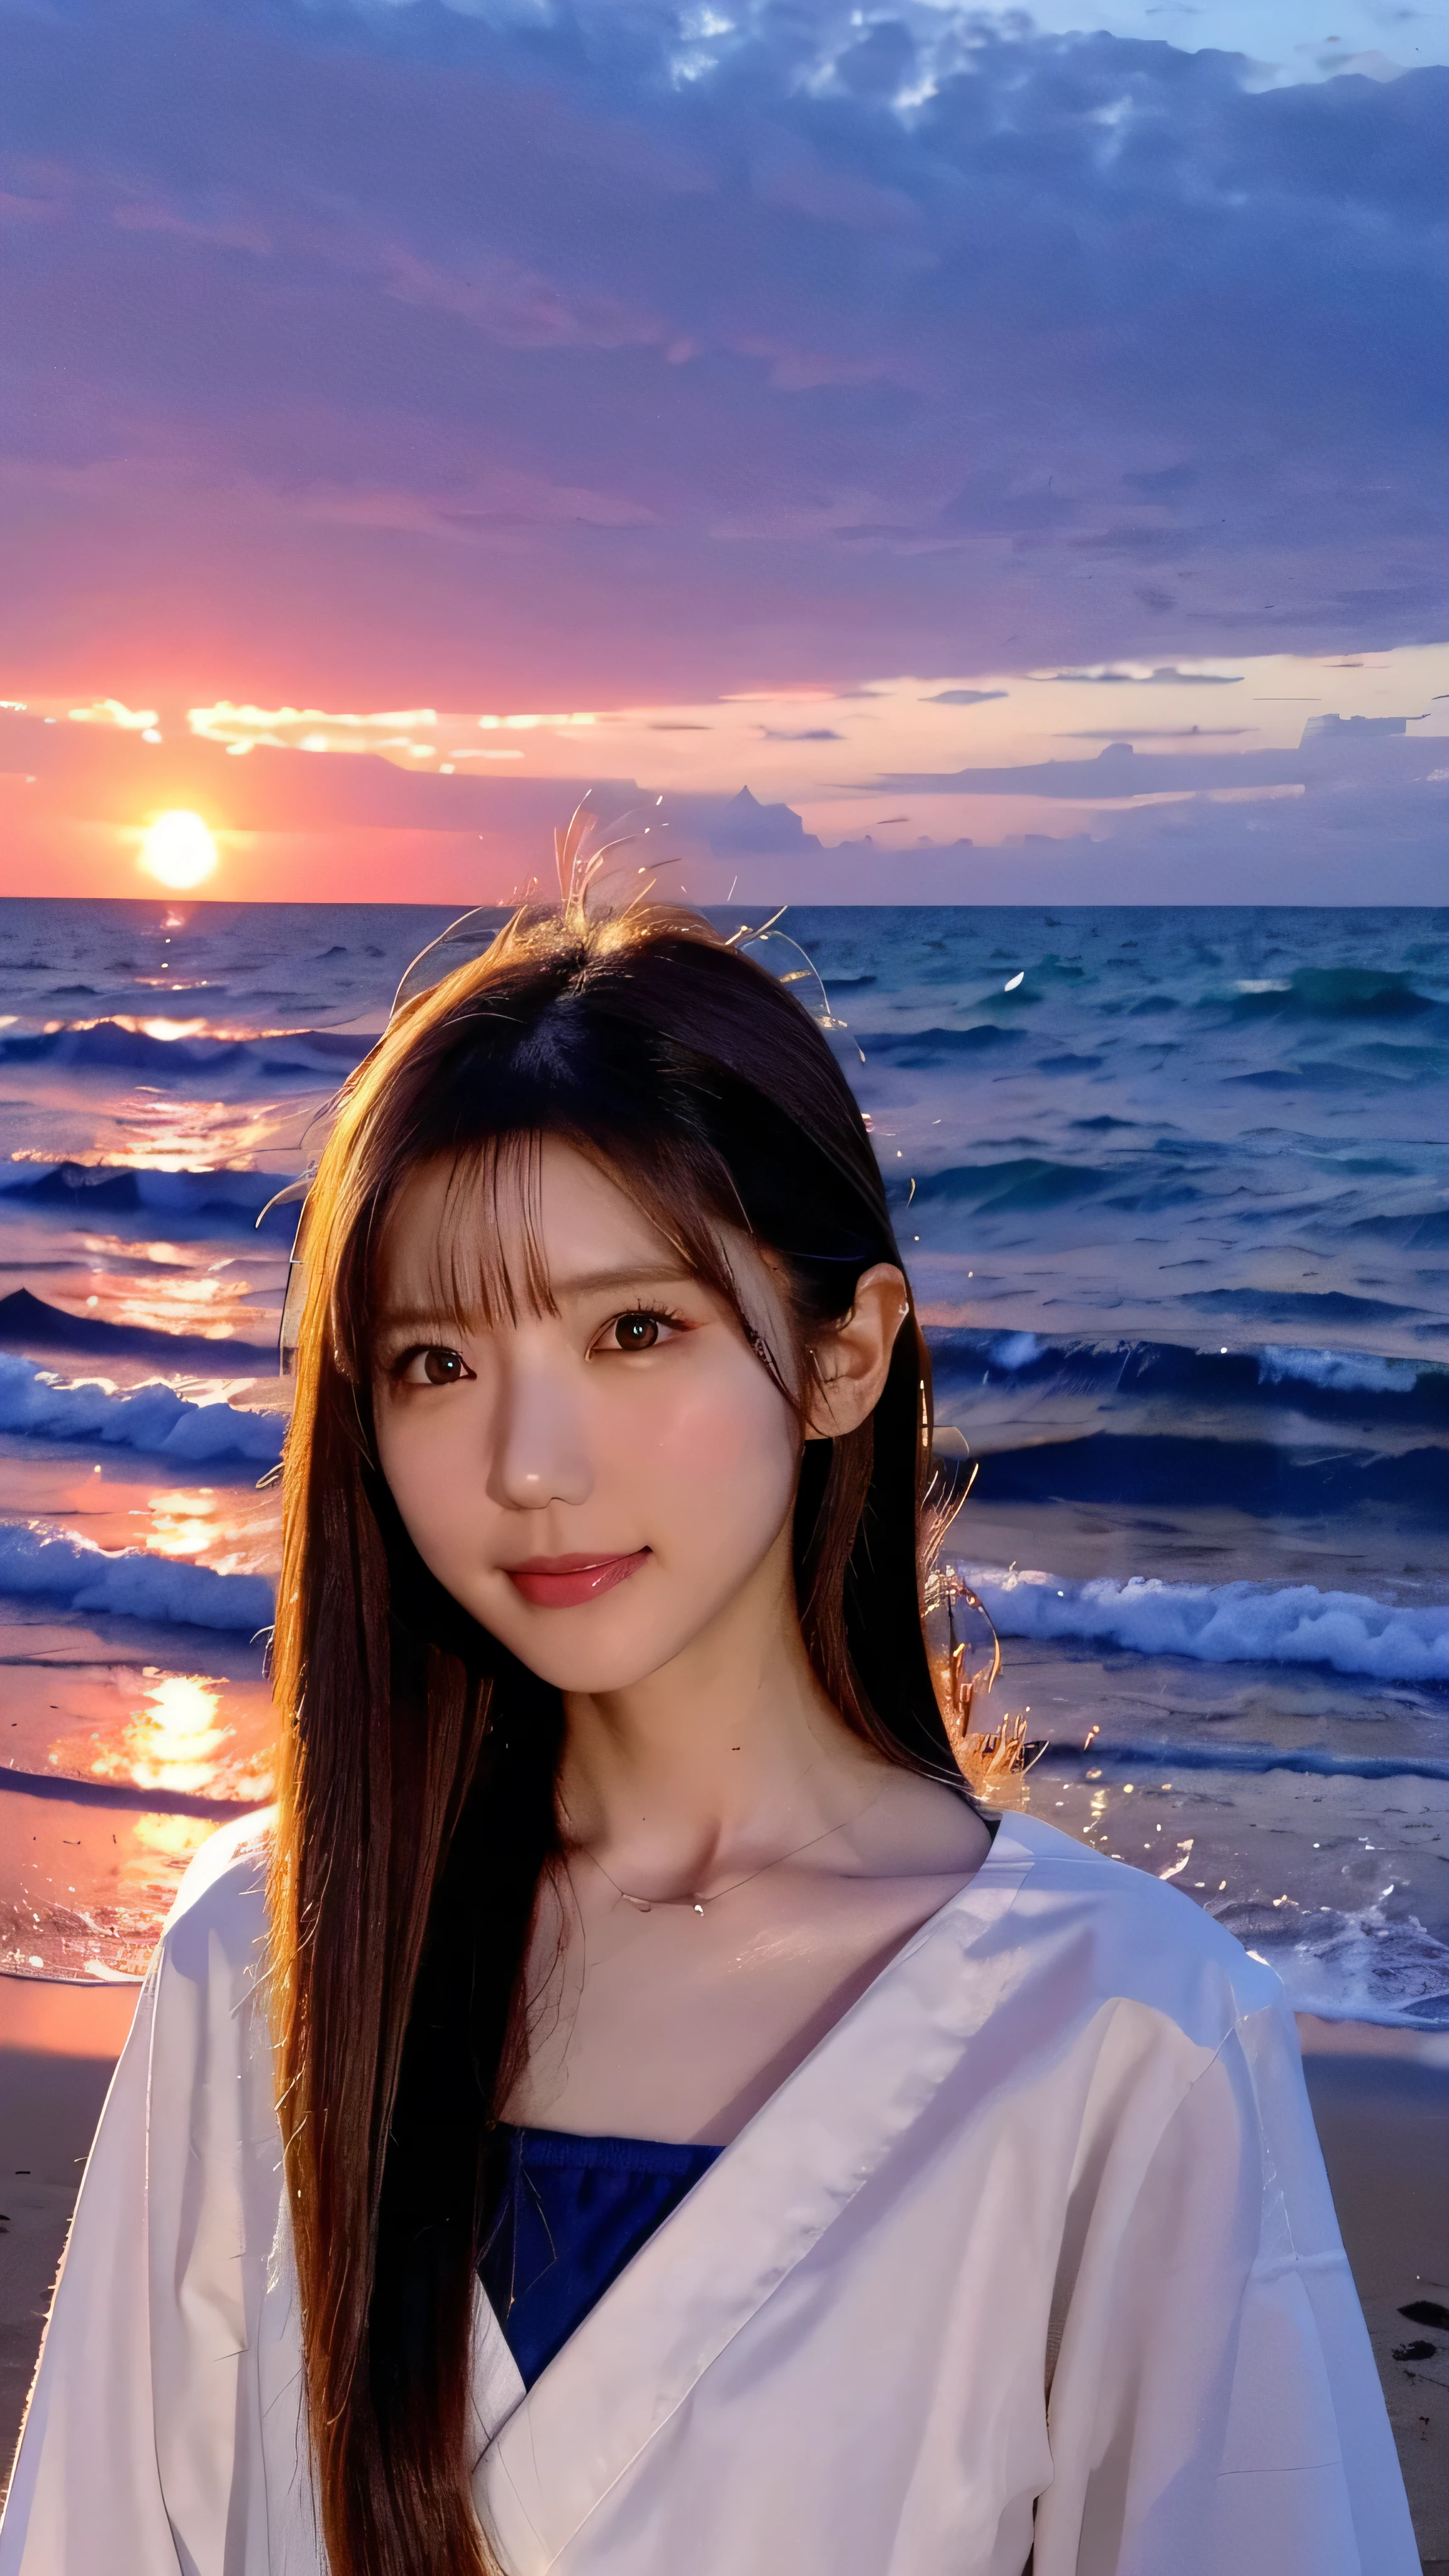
(572, 2212)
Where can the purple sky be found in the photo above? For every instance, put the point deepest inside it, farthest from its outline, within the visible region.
(522, 357)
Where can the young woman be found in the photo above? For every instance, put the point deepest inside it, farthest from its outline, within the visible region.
(632, 2114)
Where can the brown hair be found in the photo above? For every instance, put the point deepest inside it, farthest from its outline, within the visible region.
(417, 1801)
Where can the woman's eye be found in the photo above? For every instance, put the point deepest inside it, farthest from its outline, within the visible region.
(635, 1332)
(436, 1366)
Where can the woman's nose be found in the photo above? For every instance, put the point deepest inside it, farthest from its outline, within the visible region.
(539, 1453)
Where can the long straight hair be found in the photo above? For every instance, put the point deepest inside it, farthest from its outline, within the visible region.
(417, 1806)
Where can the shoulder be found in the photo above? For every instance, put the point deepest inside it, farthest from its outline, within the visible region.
(1120, 1935)
(218, 1922)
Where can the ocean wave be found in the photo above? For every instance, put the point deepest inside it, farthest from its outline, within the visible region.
(38, 1559)
(1222, 1623)
(1266, 1477)
(1014, 1352)
(27, 1323)
(1029, 1182)
(1339, 1385)
(152, 1418)
(1320, 1073)
(914, 1048)
(1298, 1305)
(1333, 993)
(1344, 1372)
(118, 1044)
(1363, 1966)
(1222, 1752)
(1416, 1229)
(88, 1190)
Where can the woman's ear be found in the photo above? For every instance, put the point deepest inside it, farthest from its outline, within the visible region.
(853, 1358)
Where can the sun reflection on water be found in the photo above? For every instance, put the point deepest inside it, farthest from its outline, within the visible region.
(167, 1256)
(182, 1524)
(180, 1744)
(174, 1743)
(202, 1308)
(172, 1134)
(233, 1530)
(160, 1842)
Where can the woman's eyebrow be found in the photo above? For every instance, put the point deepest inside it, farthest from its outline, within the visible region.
(575, 1283)
(593, 1283)
(412, 1319)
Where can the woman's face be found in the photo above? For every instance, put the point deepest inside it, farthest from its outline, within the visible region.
(595, 1485)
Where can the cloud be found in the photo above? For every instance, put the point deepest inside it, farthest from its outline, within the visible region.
(963, 697)
(110, 711)
(631, 354)
(515, 305)
(1336, 756)
(1165, 733)
(401, 729)
(1165, 676)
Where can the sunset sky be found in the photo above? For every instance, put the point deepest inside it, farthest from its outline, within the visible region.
(419, 414)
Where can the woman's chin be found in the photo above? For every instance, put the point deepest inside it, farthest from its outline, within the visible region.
(598, 1650)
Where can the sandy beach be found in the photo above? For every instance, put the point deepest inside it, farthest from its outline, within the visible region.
(1381, 2099)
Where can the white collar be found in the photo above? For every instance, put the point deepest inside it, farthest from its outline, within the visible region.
(752, 2217)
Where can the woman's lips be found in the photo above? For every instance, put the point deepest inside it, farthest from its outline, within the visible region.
(560, 1582)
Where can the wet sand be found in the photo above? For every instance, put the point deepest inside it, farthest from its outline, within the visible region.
(58, 2045)
(1381, 2099)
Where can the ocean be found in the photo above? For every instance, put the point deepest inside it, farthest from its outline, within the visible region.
(1174, 1189)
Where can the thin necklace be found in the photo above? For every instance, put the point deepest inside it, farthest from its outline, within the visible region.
(697, 1904)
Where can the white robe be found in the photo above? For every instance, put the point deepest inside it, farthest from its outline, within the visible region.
(1034, 2252)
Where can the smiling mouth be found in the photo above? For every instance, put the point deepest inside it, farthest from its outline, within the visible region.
(561, 1582)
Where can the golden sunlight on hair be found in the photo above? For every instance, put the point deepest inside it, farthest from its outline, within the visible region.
(966, 1665)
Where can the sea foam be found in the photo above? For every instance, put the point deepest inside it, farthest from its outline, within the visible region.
(224, 1198)
(38, 1559)
(1222, 1623)
(1344, 1372)
(152, 1417)
(130, 1045)
(1365, 1966)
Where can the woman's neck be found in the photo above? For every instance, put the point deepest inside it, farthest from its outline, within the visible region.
(726, 1756)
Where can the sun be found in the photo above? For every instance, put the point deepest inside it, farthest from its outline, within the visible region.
(178, 850)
